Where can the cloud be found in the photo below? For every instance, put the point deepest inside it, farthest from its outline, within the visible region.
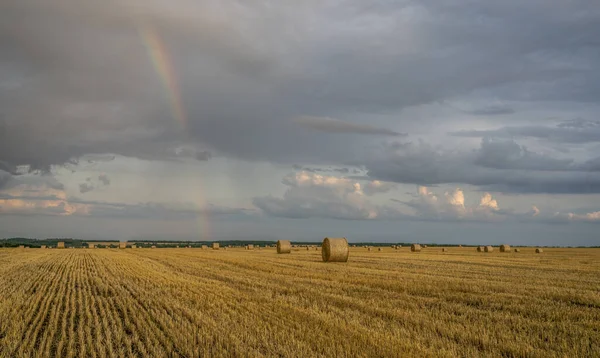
(238, 77)
(376, 187)
(495, 166)
(85, 188)
(332, 125)
(91, 184)
(492, 111)
(311, 195)
(507, 154)
(572, 131)
(104, 179)
(451, 207)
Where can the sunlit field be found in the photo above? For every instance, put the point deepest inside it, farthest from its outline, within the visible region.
(228, 303)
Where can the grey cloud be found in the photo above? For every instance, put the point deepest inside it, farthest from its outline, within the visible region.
(203, 156)
(424, 164)
(503, 154)
(92, 184)
(575, 131)
(75, 89)
(333, 125)
(104, 179)
(492, 111)
(156, 211)
(85, 188)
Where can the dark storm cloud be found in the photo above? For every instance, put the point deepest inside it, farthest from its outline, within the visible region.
(76, 77)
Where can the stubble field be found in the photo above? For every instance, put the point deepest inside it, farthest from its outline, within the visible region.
(238, 303)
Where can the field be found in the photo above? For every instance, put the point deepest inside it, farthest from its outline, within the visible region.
(238, 303)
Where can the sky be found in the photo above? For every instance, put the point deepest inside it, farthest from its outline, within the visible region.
(470, 122)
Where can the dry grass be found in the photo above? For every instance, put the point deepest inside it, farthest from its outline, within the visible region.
(238, 303)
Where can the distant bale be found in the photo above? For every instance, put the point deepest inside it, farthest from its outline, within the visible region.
(504, 248)
(153, 247)
(539, 251)
(215, 246)
(204, 247)
(122, 245)
(60, 245)
(368, 248)
(43, 246)
(91, 246)
(335, 249)
(380, 249)
(424, 246)
(21, 246)
(133, 246)
(489, 249)
(517, 250)
(444, 249)
(480, 249)
(459, 245)
(415, 248)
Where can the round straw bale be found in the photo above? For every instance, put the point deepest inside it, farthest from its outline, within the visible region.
(369, 248)
(250, 247)
(424, 246)
(380, 249)
(489, 249)
(444, 249)
(215, 245)
(335, 249)
(415, 248)
(480, 248)
(284, 247)
(517, 250)
(504, 248)
(539, 251)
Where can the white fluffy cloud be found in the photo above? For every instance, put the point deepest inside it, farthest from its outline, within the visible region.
(314, 195)
(451, 206)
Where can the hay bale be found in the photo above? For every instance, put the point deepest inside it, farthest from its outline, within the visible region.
(368, 248)
(91, 246)
(380, 249)
(415, 248)
(489, 249)
(517, 250)
(284, 247)
(133, 246)
(444, 249)
(60, 245)
(424, 246)
(480, 249)
(21, 246)
(43, 246)
(504, 248)
(215, 246)
(250, 247)
(122, 244)
(204, 247)
(539, 251)
(153, 247)
(335, 249)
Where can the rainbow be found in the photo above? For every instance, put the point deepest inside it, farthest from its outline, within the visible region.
(157, 51)
(163, 66)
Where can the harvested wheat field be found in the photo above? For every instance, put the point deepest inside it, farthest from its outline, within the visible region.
(239, 303)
